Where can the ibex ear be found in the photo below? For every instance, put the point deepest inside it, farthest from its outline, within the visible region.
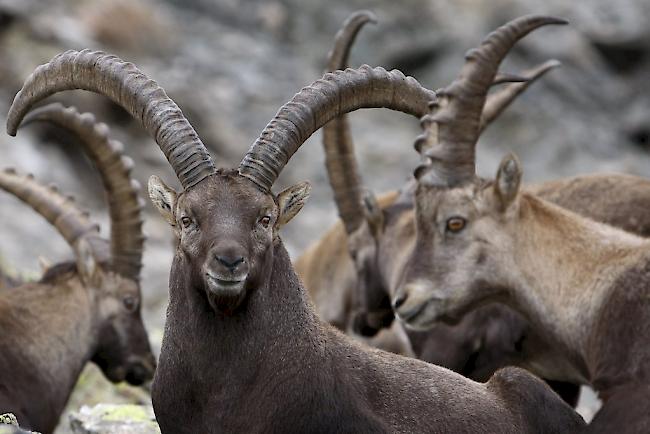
(291, 201)
(163, 197)
(87, 265)
(373, 213)
(508, 181)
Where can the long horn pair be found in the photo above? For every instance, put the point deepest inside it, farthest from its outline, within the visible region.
(337, 93)
(59, 210)
(454, 125)
(122, 192)
(342, 167)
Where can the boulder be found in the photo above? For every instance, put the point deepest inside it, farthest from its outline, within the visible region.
(114, 419)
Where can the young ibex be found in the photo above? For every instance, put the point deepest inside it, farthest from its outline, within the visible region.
(243, 349)
(584, 286)
(79, 311)
(487, 338)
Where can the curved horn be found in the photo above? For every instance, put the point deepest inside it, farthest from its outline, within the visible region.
(337, 93)
(124, 84)
(59, 210)
(497, 102)
(457, 115)
(340, 161)
(122, 192)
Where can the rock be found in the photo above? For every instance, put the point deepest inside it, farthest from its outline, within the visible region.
(10, 429)
(114, 419)
(8, 419)
(9, 425)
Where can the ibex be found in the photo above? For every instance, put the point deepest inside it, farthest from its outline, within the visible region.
(584, 286)
(487, 338)
(327, 269)
(86, 310)
(244, 350)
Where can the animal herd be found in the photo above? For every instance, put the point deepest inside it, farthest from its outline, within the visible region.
(452, 304)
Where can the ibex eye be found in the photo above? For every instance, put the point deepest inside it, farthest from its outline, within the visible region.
(265, 221)
(186, 221)
(456, 224)
(130, 303)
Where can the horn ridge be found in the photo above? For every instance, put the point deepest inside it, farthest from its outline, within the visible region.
(58, 209)
(128, 87)
(122, 192)
(342, 168)
(459, 115)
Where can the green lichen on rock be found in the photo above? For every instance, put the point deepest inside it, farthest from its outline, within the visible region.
(135, 413)
(111, 418)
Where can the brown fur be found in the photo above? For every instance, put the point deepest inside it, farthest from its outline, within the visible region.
(266, 363)
(52, 328)
(491, 337)
(583, 285)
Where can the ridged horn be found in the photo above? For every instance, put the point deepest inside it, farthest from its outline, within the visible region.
(340, 161)
(497, 102)
(125, 85)
(122, 192)
(59, 210)
(457, 114)
(337, 93)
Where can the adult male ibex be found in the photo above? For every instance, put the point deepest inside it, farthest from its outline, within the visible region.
(380, 243)
(243, 349)
(328, 271)
(84, 310)
(583, 286)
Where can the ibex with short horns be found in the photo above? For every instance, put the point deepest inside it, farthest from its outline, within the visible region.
(583, 286)
(244, 350)
(86, 310)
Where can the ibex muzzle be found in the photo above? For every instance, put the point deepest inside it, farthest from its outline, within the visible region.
(225, 271)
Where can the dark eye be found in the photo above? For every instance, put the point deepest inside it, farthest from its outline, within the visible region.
(130, 303)
(456, 224)
(265, 221)
(186, 221)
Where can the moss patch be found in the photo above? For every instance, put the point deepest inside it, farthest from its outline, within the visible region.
(131, 413)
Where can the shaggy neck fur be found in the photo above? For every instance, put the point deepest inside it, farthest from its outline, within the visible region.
(565, 271)
(259, 351)
(272, 367)
(51, 339)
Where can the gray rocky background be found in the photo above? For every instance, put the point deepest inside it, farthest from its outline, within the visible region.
(230, 64)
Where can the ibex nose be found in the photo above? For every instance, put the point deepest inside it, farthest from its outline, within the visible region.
(230, 262)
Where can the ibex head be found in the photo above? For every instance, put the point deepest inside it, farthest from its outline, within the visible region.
(108, 271)
(457, 213)
(224, 229)
(459, 229)
(122, 350)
